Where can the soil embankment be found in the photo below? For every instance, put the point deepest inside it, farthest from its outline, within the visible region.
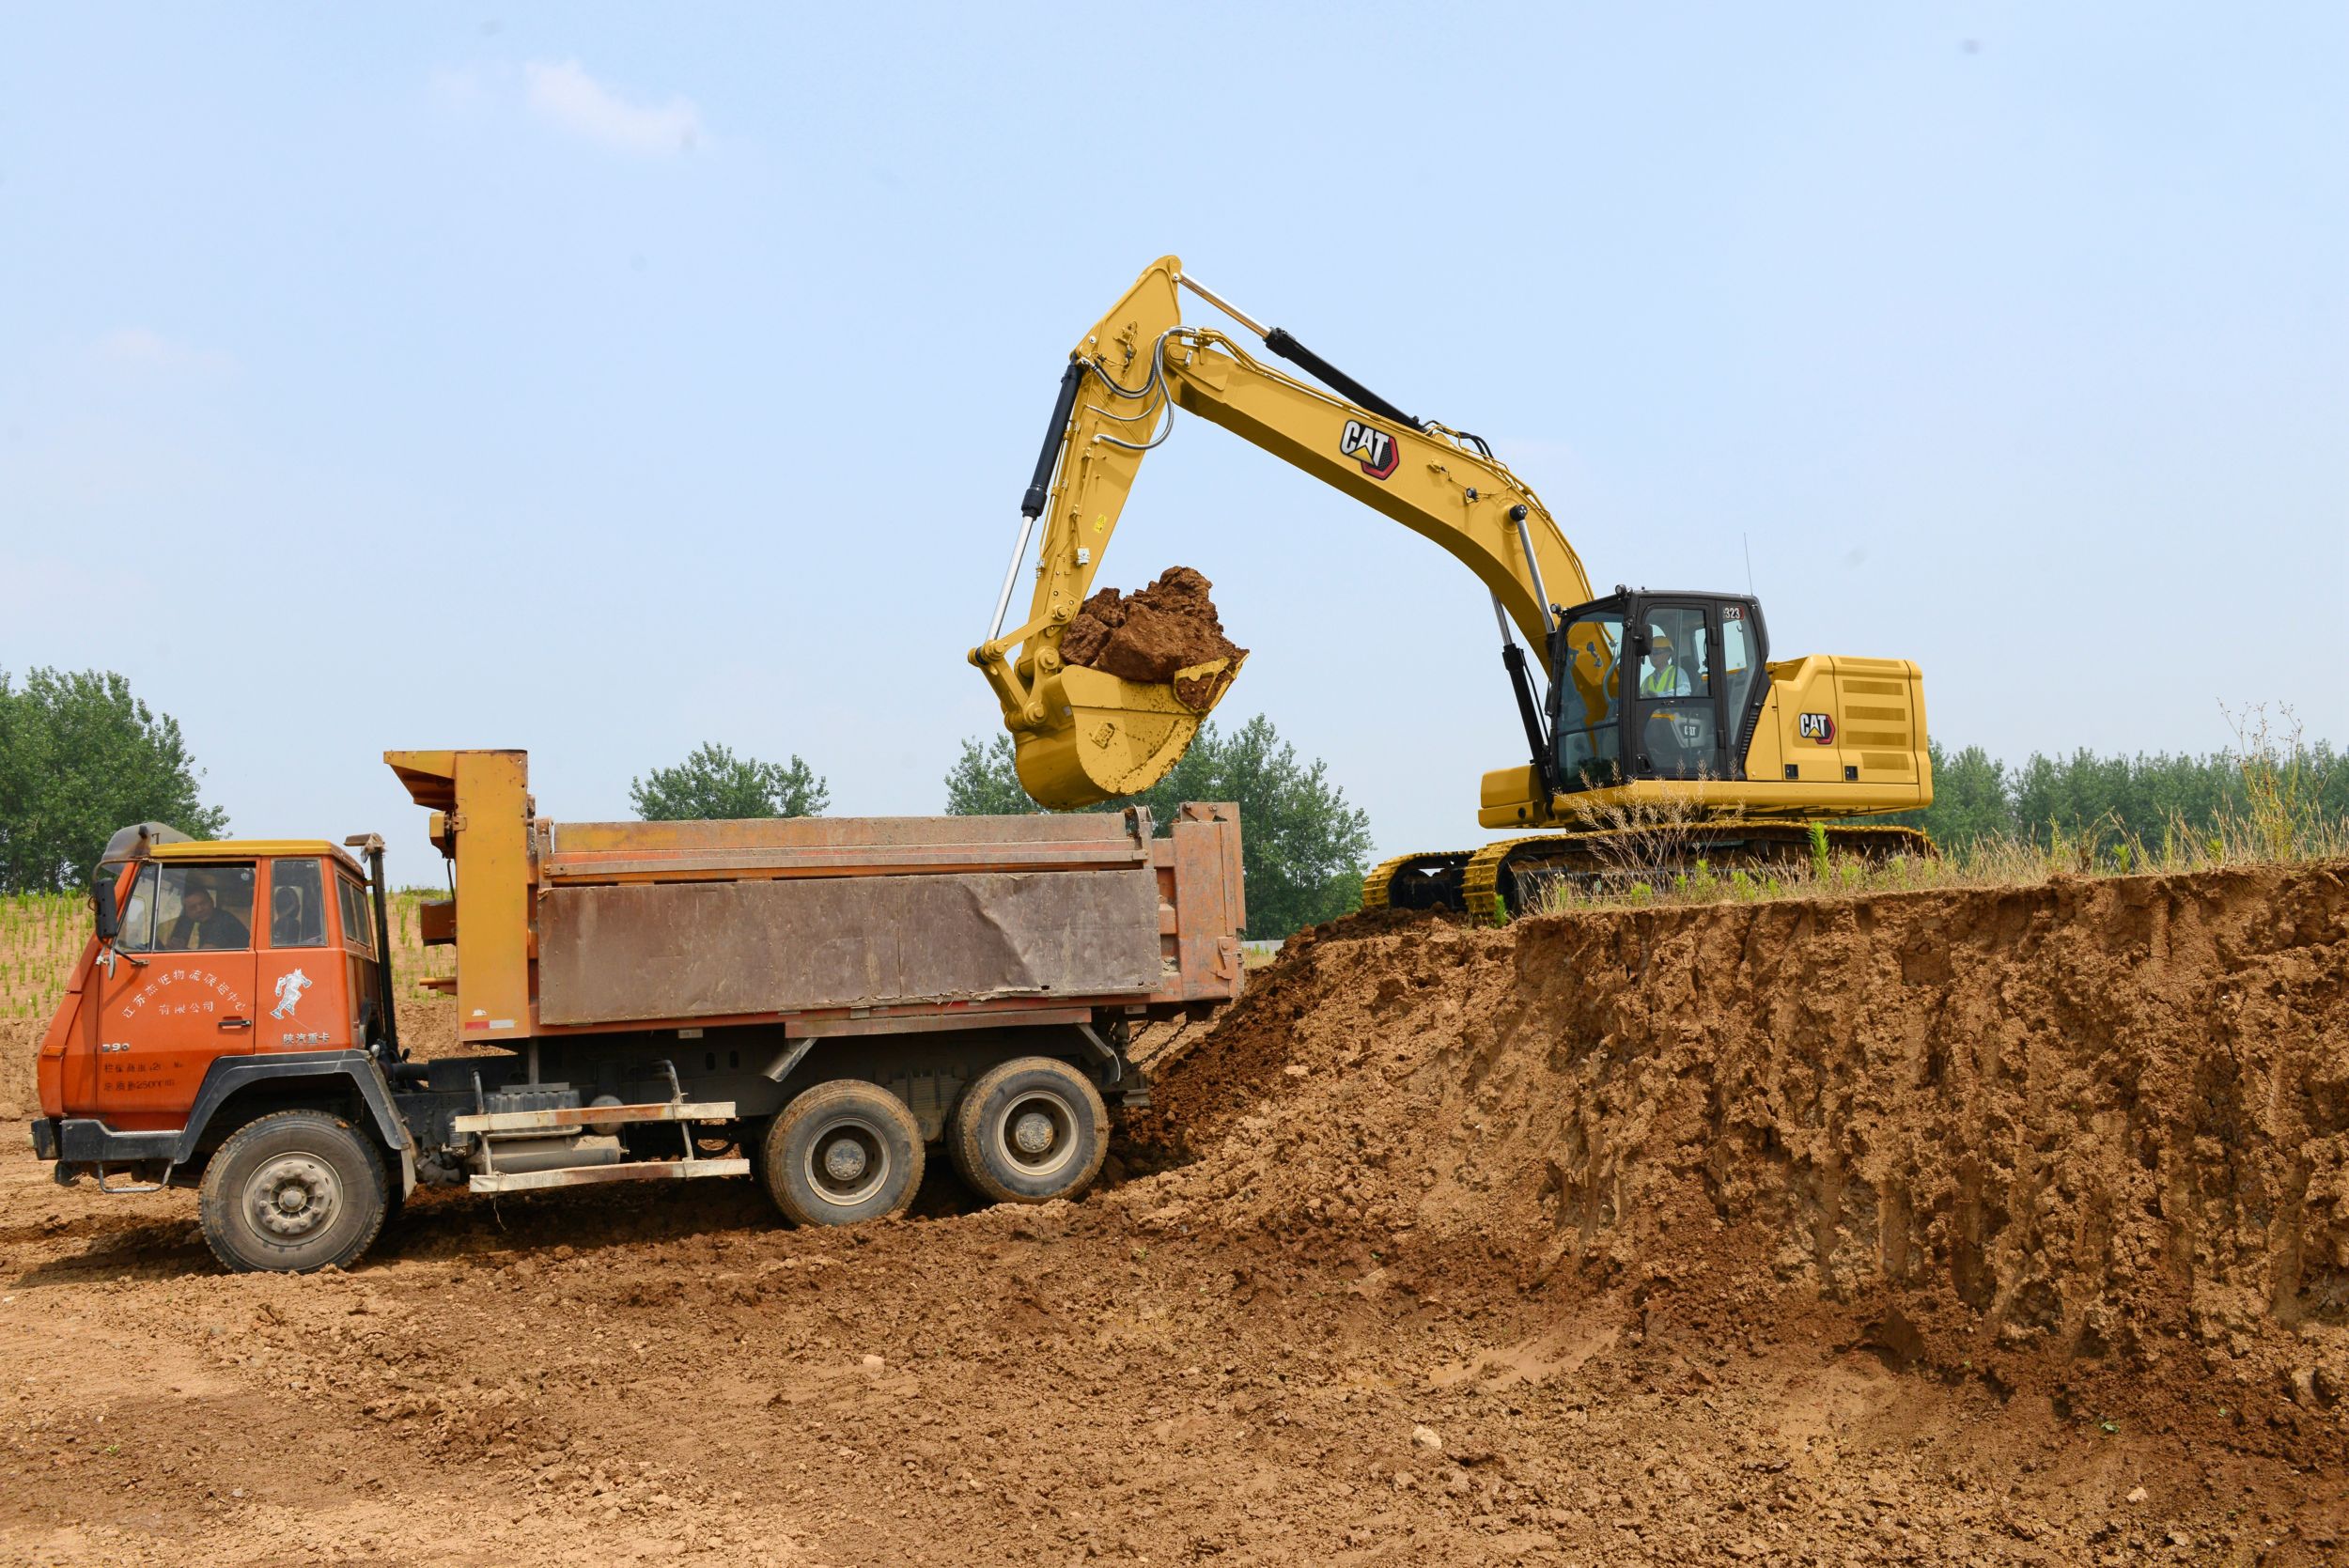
(1991, 1227)
(2089, 1139)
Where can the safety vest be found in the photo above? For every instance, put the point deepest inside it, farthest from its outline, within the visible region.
(1666, 682)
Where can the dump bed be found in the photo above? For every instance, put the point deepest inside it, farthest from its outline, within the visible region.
(564, 927)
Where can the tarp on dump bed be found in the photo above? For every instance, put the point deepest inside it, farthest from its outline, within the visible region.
(682, 950)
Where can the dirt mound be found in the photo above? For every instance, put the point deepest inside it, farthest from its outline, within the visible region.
(1149, 634)
(2091, 1137)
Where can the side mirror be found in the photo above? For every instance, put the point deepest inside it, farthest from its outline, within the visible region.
(109, 918)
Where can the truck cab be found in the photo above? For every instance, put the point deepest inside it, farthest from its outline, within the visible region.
(221, 979)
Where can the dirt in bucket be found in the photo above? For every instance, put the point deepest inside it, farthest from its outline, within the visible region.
(1149, 634)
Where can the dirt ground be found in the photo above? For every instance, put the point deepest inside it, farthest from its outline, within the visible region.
(1964, 1227)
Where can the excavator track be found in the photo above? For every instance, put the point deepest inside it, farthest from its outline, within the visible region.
(1429, 880)
(1504, 879)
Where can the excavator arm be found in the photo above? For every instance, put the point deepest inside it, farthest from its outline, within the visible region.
(1084, 736)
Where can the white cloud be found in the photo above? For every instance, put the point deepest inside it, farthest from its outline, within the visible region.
(562, 93)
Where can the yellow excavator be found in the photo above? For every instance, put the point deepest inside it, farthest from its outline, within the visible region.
(1662, 717)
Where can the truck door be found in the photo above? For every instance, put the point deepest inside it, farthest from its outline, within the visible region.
(180, 993)
(299, 982)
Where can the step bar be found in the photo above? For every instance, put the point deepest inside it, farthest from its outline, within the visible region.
(682, 1112)
(591, 1175)
(592, 1115)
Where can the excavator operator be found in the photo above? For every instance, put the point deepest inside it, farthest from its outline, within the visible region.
(1663, 676)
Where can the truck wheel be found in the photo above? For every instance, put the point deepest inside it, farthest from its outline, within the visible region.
(1029, 1131)
(843, 1152)
(291, 1192)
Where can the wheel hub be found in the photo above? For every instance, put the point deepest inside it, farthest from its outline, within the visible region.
(1038, 1132)
(845, 1160)
(293, 1196)
(1031, 1134)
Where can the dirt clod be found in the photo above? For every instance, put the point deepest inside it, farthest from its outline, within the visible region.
(1149, 634)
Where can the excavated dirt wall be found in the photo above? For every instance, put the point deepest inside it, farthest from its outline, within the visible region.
(2087, 1132)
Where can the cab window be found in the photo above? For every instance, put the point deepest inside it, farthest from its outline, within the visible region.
(1738, 659)
(297, 905)
(204, 908)
(358, 927)
(137, 932)
(1679, 660)
(1590, 693)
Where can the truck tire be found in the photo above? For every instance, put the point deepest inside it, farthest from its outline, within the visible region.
(294, 1191)
(1029, 1131)
(843, 1152)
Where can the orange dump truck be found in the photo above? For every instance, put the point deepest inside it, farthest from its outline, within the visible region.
(810, 1002)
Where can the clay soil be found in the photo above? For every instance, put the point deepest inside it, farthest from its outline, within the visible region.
(1151, 633)
(1977, 1227)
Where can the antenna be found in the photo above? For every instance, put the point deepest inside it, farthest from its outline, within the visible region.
(1748, 545)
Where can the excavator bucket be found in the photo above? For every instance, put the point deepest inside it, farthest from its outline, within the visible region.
(1114, 737)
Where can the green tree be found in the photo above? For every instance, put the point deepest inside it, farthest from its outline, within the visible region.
(2117, 798)
(984, 782)
(713, 782)
(1303, 849)
(79, 758)
(1972, 799)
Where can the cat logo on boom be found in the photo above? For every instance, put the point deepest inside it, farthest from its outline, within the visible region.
(1375, 448)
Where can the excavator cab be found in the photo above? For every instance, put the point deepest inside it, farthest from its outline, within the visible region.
(1655, 685)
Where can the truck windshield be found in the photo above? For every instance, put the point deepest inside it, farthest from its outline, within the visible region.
(1589, 739)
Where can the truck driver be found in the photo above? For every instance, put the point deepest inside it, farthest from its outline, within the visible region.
(203, 923)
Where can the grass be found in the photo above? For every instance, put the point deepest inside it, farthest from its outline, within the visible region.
(1646, 860)
(41, 936)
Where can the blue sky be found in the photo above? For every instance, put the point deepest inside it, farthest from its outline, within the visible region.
(603, 381)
